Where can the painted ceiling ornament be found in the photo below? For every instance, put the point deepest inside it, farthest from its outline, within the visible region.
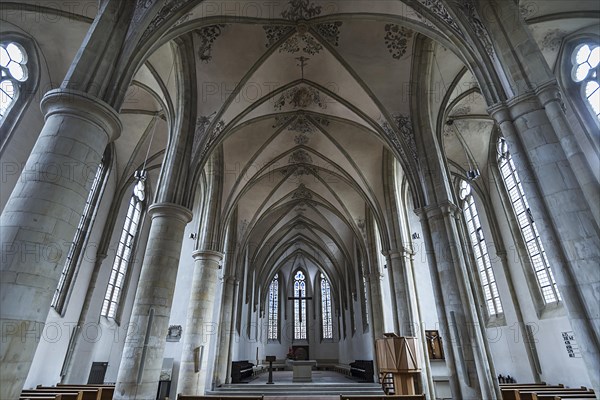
(275, 33)
(479, 28)
(166, 12)
(321, 120)
(303, 125)
(552, 40)
(300, 157)
(281, 120)
(207, 36)
(396, 40)
(300, 97)
(301, 139)
(305, 42)
(330, 32)
(528, 10)
(300, 10)
(438, 8)
(405, 127)
(302, 193)
(216, 131)
(297, 170)
(202, 124)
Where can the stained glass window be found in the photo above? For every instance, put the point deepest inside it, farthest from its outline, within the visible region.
(477, 239)
(585, 60)
(535, 248)
(13, 66)
(299, 306)
(273, 331)
(68, 272)
(124, 251)
(327, 322)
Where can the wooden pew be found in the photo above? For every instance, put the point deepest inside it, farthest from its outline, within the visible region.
(567, 396)
(50, 395)
(184, 397)
(513, 393)
(105, 392)
(384, 397)
(87, 394)
(528, 395)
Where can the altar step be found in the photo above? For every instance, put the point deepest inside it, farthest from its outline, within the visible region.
(299, 390)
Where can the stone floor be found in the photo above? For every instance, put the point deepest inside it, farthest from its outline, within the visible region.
(285, 377)
(326, 385)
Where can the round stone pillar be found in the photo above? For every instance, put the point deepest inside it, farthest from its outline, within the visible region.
(142, 357)
(226, 330)
(40, 219)
(402, 295)
(200, 327)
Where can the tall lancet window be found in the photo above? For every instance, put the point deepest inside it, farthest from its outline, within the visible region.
(535, 249)
(125, 250)
(299, 306)
(327, 321)
(273, 333)
(484, 265)
(76, 249)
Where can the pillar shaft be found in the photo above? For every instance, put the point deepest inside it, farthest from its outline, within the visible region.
(40, 220)
(226, 330)
(200, 327)
(402, 295)
(467, 361)
(142, 357)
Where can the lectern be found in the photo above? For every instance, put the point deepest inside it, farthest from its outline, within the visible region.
(398, 356)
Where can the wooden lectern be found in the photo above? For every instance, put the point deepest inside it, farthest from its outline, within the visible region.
(398, 356)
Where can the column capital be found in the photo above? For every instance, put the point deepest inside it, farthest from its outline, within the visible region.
(170, 210)
(82, 105)
(209, 255)
(441, 209)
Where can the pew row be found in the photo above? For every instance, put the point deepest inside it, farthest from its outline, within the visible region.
(384, 397)
(185, 397)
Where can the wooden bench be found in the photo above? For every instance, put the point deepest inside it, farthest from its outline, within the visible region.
(241, 370)
(384, 397)
(104, 392)
(184, 397)
(534, 395)
(567, 396)
(362, 369)
(82, 394)
(50, 395)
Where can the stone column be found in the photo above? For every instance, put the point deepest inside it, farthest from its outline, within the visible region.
(466, 358)
(401, 293)
(564, 220)
(200, 323)
(40, 219)
(226, 330)
(142, 357)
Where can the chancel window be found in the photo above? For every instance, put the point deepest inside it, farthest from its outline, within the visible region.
(76, 248)
(13, 64)
(535, 248)
(585, 60)
(273, 331)
(327, 321)
(477, 239)
(124, 250)
(299, 306)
